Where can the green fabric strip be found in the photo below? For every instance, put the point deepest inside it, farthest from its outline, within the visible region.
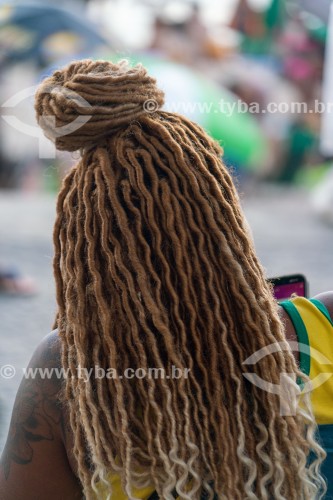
(322, 308)
(302, 335)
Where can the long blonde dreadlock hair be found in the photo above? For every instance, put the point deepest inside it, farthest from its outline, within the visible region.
(154, 267)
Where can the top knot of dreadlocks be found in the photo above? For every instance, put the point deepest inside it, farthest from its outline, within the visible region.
(89, 100)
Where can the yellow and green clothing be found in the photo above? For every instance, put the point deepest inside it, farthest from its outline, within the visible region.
(314, 329)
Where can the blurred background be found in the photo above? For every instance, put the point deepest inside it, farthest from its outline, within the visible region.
(256, 74)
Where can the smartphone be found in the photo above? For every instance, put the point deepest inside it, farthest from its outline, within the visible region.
(285, 286)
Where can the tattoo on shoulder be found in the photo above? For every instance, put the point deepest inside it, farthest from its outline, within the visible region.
(37, 408)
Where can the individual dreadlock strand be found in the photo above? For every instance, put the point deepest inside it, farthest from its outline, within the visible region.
(57, 241)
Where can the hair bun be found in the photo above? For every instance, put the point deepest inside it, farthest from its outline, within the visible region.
(89, 100)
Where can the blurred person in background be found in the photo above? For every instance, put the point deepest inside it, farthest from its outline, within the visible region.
(260, 25)
(13, 283)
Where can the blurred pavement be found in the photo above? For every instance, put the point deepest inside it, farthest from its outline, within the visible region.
(288, 237)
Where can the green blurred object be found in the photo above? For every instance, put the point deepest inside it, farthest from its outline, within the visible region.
(320, 33)
(51, 181)
(301, 142)
(260, 27)
(316, 28)
(275, 15)
(310, 177)
(189, 93)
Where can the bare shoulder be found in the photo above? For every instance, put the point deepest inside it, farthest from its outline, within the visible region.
(49, 348)
(45, 365)
(36, 414)
(34, 462)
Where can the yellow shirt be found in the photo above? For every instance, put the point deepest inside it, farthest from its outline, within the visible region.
(314, 329)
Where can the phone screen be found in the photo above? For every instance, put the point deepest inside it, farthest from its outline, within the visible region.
(284, 292)
(285, 286)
